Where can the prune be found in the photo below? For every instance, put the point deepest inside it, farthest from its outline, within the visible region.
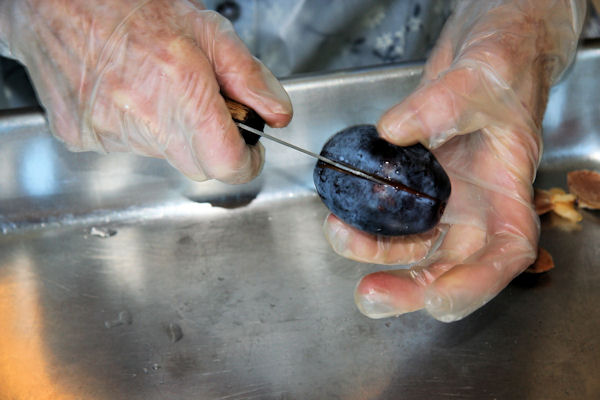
(412, 202)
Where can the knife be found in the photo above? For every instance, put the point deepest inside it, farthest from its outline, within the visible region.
(244, 116)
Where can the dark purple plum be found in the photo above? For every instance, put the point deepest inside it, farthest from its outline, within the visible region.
(414, 200)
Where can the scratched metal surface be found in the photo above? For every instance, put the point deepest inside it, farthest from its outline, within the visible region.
(207, 291)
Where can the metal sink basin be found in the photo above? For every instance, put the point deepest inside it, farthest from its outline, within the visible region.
(120, 279)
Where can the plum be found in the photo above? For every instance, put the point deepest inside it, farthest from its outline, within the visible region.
(411, 202)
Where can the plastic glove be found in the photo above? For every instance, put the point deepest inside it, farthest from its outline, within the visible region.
(144, 76)
(479, 107)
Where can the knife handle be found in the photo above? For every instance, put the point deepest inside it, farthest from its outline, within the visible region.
(247, 116)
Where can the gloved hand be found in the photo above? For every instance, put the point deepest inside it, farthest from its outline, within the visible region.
(144, 76)
(479, 107)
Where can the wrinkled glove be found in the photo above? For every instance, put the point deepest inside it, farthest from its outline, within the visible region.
(479, 107)
(146, 77)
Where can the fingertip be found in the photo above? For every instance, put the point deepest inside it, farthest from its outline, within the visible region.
(452, 305)
(219, 149)
(257, 154)
(268, 98)
(430, 115)
(372, 300)
(263, 83)
(246, 79)
(400, 127)
(278, 120)
(248, 169)
(441, 307)
(372, 306)
(336, 234)
(388, 293)
(354, 244)
(460, 291)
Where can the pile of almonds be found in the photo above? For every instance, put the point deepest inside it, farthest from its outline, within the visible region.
(584, 192)
(557, 201)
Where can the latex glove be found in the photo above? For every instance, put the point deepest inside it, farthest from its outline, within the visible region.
(144, 76)
(479, 107)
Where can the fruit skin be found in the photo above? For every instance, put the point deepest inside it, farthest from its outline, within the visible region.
(377, 208)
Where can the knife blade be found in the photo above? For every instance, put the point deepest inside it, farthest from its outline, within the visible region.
(336, 164)
(251, 127)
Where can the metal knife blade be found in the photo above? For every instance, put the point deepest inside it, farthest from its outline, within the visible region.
(344, 167)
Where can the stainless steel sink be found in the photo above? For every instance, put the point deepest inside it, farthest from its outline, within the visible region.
(119, 279)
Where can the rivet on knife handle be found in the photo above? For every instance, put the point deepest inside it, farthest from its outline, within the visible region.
(247, 116)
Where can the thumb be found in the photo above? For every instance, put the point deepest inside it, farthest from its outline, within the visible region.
(240, 75)
(453, 104)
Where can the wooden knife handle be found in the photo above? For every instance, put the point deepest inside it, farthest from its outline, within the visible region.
(247, 116)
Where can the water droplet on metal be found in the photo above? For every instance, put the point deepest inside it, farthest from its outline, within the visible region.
(102, 232)
(124, 318)
(175, 332)
(112, 324)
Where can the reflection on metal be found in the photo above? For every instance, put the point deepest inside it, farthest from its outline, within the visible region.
(210, 291)
(554, 112)
(37, 169)
(27, 364)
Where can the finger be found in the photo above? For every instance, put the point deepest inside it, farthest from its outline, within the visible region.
(468, 286)
(240, 75)
(219, 147)
(357, 245)
(435, 112)
(140, 139)
(180, 155)
(202, 117)
(390, 293)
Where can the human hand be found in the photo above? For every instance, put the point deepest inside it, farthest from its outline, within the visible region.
(479, 107)
(144, 76)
